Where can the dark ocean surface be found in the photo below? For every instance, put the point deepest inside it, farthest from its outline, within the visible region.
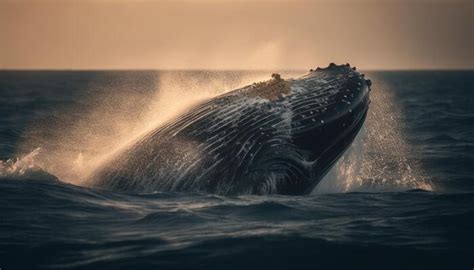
(402, 197)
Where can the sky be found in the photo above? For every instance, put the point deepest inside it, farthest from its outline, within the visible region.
(236, 34)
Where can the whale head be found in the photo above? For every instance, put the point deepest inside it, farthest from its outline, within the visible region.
(328, 106)
(315, 118)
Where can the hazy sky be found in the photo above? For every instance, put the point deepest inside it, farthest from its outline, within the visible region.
(239, 34)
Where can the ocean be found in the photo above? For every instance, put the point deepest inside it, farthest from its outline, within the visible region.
(401, 197)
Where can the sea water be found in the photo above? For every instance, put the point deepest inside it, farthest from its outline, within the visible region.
(402, 197)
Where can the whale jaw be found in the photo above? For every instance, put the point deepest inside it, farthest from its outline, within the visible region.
(274, 137)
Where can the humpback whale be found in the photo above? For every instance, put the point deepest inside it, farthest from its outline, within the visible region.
(275, 137)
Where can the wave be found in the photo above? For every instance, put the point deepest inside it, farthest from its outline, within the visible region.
(91, 229)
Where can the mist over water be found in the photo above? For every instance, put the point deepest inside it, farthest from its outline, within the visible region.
(114, 114)
(401, 197)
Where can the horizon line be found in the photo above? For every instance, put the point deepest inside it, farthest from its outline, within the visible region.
(217, 70)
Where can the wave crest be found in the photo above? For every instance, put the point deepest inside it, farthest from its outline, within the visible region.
(25, 167)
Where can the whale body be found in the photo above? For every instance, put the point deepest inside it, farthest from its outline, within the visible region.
(274, 137)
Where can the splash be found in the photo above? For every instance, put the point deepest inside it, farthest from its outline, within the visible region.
(24, 167)
(379, 159)
(116, 114)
